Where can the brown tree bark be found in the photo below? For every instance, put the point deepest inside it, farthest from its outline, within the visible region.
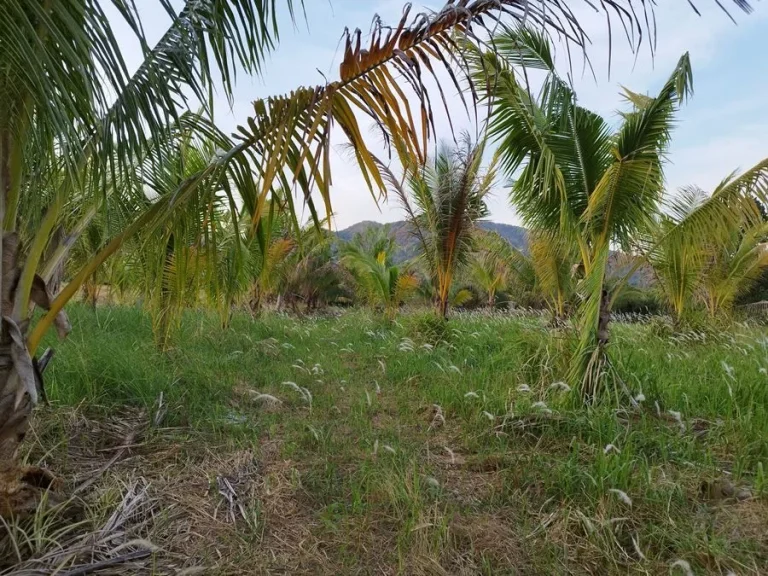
(20, 486)
(442, 308)
(604, 319)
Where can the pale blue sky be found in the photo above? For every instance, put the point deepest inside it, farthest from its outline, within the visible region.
(724, 126)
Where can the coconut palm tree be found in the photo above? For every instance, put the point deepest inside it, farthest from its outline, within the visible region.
(715, 269)
(677, 271)
(540, 275)
(489, 265)
(594, 187)
(733, 268)
(72, 115)
(444, 200)
(552, 262)
(385, 283)
(275, 241)
(677, 265)
(577, 178)
(313, 274)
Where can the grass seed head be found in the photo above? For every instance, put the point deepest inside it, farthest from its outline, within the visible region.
(621, 495)
(265, 398)
(684, 566)
(561, 386)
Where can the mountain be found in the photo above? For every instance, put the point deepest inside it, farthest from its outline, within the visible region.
(515, 235)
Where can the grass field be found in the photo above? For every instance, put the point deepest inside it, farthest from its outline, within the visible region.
(350, 446)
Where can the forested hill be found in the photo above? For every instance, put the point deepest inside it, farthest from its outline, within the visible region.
(515, 235)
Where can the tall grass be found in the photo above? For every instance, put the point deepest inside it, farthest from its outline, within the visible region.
(510, 473)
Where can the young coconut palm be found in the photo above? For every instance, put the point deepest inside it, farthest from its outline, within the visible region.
(577, 179)
(542, 275)
(677, 266)
(443, 202)
(552, 261)
(387, 284)
(489, 265)
(733, 268)
(313, 276)
(275, 242)
(717, 267)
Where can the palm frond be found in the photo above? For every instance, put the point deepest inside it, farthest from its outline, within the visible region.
(733, 268)
(296, 129)
(640, 145)
(551, 260)
(730, 205)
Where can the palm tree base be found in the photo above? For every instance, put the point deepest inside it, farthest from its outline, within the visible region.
(23, 488)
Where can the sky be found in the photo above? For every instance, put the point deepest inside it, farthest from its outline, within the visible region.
(722, 128)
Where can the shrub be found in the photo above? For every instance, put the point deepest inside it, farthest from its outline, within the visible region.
(429, 327)
(637, 301)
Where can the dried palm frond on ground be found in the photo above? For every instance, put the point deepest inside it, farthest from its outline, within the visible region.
(115, 544)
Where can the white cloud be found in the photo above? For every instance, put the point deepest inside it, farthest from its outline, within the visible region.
(706, 164)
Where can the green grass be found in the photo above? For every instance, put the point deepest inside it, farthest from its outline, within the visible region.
(367, 479)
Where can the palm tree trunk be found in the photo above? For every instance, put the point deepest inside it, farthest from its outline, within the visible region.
(442, 307)
(95, 295)
(21, 487)
(255, 303)
(13, 417)
(604, 319)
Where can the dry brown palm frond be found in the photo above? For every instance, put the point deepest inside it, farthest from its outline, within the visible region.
(115, 543)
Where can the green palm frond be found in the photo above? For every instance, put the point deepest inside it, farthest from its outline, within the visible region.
(491, 266)
(711, 245)
(386, 284)
(72, 44)
(678, 248)
(314, 276)
(552, 259)
(640, 146)
(733, 268)
(730, 205)
(677, 267)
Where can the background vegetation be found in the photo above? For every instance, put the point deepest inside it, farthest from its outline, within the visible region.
(587, 401)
